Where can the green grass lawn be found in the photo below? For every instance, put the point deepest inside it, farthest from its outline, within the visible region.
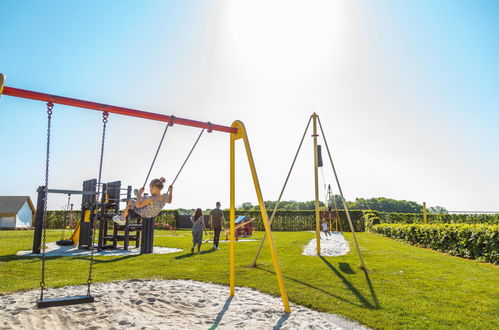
(405, 287)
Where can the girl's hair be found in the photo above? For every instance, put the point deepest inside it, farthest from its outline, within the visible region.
(197, 214)
(158, 183)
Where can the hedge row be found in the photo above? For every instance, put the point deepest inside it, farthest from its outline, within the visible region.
(283, 221)
(291, 220)
(59, 219)
(469, 241)
(409, 218)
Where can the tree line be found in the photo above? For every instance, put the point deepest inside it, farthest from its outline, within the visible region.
(381, 204)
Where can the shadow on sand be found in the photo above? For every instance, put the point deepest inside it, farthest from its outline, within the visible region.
(221, 314)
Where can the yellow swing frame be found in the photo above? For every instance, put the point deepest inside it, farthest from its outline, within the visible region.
(242, 134)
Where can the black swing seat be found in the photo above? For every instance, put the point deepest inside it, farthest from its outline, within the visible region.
(65, 301)
(64, 242)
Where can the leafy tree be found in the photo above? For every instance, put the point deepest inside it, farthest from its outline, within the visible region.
(438, 210)
(381, 204)
(246, 206)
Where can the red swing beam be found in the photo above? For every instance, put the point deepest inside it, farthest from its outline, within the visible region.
(26, 94)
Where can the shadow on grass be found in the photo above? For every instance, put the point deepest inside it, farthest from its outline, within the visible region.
(312, 287)
(188, 255)
(101, 261)
(353, 289)
(14, 257)
(221, 314)
(345, 268)
(371, 288)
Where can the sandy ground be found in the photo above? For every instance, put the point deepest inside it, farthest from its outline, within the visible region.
(54, 250)
(159, 304)
(331, 246)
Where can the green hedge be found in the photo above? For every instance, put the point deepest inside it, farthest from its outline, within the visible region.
(409, 218)
(469, 241)
(291, 220)
(59, 219)
(167, 216)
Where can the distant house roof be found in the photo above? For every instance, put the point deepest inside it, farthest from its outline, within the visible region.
(10, 205)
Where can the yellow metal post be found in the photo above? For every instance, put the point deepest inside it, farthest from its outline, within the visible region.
(241, 134)
(424, 214)
(316, 183)
(2, 83)
(232, 255)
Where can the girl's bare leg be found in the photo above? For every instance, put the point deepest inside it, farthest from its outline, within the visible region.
(128, 207)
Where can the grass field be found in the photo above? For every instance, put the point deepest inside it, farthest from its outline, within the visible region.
(405, 286)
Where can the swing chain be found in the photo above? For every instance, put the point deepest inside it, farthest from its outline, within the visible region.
(156, 155)
(188, 156)
(50, 106)
(105, 115)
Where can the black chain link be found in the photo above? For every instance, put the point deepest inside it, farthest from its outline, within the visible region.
(187, 158)
(50, 106)
(105, 114)
(156, 155)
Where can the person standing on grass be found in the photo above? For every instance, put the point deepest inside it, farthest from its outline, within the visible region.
(197, 229)
(325, 228)
(217, 221)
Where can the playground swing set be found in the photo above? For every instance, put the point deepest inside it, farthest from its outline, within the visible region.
(326, 214)
(109, 194)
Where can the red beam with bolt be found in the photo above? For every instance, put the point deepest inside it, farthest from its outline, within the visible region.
(26, 94)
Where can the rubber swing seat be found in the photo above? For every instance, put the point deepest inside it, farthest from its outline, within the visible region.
(65, 301)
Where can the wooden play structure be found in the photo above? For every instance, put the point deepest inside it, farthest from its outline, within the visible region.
(110, 233)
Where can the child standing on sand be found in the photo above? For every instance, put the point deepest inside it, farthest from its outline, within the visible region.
(147, 207)
(325, 228)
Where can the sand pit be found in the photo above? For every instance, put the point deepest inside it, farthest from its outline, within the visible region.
(54, 250)
(158, 304)
(331, 246)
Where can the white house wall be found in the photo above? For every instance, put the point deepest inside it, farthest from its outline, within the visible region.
(7, 222)
(24, 216)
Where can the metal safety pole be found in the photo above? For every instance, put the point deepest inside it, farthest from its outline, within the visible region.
(316, 187)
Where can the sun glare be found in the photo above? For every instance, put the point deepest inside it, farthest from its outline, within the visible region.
(280, 39)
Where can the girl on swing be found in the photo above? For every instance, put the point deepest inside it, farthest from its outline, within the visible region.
(147, 207)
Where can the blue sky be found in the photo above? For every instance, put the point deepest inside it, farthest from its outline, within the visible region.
(407, 90)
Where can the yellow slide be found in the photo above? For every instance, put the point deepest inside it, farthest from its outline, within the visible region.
(75, 237)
